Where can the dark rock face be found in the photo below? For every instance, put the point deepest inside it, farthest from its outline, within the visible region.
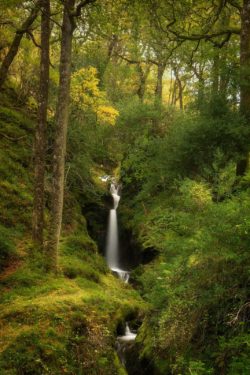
(128, 353)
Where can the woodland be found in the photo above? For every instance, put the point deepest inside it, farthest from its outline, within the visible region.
(155, 95)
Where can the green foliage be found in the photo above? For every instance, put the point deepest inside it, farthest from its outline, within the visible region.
(193, 145)
(179, 198)
(198, 281)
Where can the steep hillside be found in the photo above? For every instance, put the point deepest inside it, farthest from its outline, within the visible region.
(52, 325)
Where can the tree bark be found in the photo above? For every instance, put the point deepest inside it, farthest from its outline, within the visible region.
(41, 129)
(173, 100)
(242, 165)
(180, 88)
(215, 72)
(201, 84)
(16, 43)
(142, 80)
(61, 125)
(159, 86)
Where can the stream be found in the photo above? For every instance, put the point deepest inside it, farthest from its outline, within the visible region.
(113, 261)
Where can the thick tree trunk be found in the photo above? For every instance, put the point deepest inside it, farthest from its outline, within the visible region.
(61, 125)
(159, 86)
(16, 43)
(40, 135)
(245, 76)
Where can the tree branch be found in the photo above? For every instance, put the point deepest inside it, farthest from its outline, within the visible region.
(81, 5)
(33, 38)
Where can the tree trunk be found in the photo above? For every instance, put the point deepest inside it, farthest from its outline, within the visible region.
(159, 86)
(173, 100)
(242, 165)
(61, 124)
(40, 135)
(142, 80)
(180, 93)
(199, 74)
(180, 88)
(16, 43)
(170, 88)
(215, 72)
(201, 84)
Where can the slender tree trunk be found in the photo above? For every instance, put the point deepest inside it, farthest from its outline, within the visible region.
(16, 43)
(215, 72)
(242, 165)
(180, 88)
(40, 135)
(61, 125)
(170, 88)
(180, 92)
(201, 84)
(224, 81)
(111, 46)
(159, 86)
(142, 80)
(173, 101)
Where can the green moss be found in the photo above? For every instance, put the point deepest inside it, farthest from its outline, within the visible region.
(55, 325)
(15, 162)
(7, 246)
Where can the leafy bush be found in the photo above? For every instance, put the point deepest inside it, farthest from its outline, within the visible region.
(198, 283)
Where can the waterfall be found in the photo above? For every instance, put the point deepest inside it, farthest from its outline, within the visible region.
(122, 343)
(112, 256)
(112, 248)
(112, 241)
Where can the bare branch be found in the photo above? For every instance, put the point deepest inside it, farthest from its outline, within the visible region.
(33, 38)
(236, 318)
(81, 5)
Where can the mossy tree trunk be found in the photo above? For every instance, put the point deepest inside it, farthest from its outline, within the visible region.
(11, 54)
(40, 135)
(242, 164)
(70, 12)
(61, 125)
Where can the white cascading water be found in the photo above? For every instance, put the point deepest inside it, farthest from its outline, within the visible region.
(122, 342)
(129, 336)
(112, 256)
(112, 248)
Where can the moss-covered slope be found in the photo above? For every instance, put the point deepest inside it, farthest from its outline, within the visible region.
(51, 325)
(65, 324)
